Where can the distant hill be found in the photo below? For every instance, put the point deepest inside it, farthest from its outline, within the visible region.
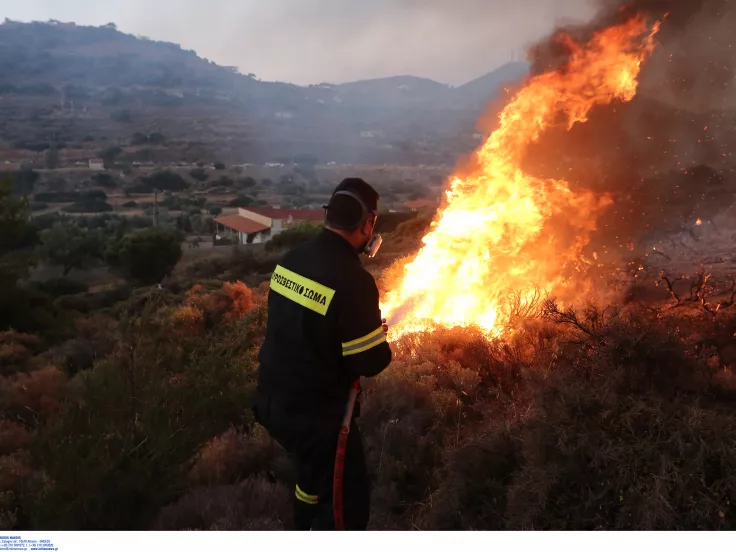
(403, 91)
(83, 90)
(486, 87)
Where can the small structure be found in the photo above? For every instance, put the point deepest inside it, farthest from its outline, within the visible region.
(240, 230)
(12, 166)
(97, 164)
(260, 224)
(421, 205)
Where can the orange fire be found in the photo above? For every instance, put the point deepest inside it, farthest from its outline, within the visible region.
(503, 236)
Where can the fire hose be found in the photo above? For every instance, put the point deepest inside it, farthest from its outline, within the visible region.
(342, 443)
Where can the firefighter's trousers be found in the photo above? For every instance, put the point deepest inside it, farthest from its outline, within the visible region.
(311, 441)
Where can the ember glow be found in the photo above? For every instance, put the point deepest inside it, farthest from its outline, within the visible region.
(504, 236)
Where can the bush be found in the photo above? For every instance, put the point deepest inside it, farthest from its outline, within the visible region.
(256, 504)
(161, 181)
(112, 458)
(147, 256)
(61, 286)
(293, 236)
(34, 397)
(199, 174)
(388, 222)
(68, 197)
(105, 180)
(130, 205)
(16, 352)
(234, 456)
(241, 201)
(93, 301)
(93, 206)
(122, 116)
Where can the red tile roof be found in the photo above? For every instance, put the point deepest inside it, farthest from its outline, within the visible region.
(241, 224)
(295, 214)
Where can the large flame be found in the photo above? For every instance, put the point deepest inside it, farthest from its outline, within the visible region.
(504, 236)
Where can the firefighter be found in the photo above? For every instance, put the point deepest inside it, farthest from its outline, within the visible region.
(324, 331)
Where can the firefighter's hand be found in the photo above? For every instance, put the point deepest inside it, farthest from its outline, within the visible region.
(385, 325)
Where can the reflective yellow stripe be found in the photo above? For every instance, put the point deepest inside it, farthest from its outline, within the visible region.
(304, 497)
(301, 290)
(376, 338)
(362, 339)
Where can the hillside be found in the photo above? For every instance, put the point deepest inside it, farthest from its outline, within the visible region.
(478, 91)
(85, 89)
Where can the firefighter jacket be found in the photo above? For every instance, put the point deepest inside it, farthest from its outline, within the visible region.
(324, 327)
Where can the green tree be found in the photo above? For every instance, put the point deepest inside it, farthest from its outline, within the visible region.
(17, 236)
(247, 182)
(241, 201)
(307, 160)
(16, 232)
(293, 236)
(225, 182)
(219, 166)
(23, 181)
(52, 157)
(108, 156)
(105, 180)
(184, 223)
(200, 175)
(122, 116)
(147, 256)
(69, 246)
(161, 181)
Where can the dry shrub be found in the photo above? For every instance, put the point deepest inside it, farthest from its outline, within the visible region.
(593, 459)
(8, 511)
(621, 431)
(14, 470)
(27, 340)
(408, 235)
(228, 304)
(124, 442)
(96, 337)
(13, 437)
(33, 397)
(16, 350)
(418, 408)
(186, 320)
(473, 486)
(253, 505)
(12, 357)
(233, 456)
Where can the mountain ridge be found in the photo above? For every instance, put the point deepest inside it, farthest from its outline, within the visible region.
(62, 83)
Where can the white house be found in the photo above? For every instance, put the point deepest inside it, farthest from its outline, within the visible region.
(260, 224)
(96, 164)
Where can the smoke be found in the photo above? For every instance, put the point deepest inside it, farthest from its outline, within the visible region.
(667, 156)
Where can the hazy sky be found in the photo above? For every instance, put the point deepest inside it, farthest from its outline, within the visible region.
(312, 41)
